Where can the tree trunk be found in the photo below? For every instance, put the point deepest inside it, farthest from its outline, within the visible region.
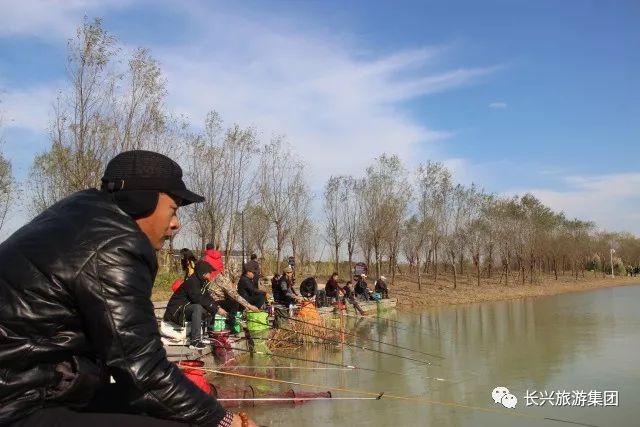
(337, 265)
(435, 265)
(393, 269)
(531, 265)
(419, 276)
(455, 276)
(506, 280)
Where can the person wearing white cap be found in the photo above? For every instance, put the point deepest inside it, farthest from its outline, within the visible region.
(381, 287)
(361, 289)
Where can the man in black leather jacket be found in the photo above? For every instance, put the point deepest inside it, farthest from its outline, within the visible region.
(75, 287)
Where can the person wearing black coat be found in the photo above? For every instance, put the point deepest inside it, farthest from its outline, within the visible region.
(254, 266)
(75, 286)
(361, 289)
(309, 287)
(191, 301)
(381, 287)
(283, 291)
(248, 288)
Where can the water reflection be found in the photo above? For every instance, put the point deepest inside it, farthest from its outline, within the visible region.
(576, 341)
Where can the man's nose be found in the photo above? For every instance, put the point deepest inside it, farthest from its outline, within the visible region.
(175, 223)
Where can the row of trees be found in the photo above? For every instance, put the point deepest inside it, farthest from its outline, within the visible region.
(431, 221)
(115, 102)
(257, 196)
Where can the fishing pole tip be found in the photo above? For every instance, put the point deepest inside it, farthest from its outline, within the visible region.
(380, 396)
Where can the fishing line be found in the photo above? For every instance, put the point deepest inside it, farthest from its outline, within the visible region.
(346, 343)
(404, 398)
(361, 337)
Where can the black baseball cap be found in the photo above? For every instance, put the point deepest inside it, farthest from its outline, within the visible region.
(138, 170)
(251, 267)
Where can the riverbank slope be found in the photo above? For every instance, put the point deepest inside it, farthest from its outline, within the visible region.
(467, 291)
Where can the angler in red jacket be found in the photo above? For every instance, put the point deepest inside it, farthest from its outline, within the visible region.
(214, 257)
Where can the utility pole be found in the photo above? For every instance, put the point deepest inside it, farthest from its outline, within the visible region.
(611, 252)
(244, 259)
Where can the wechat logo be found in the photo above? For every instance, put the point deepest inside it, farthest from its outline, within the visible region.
(502, 396)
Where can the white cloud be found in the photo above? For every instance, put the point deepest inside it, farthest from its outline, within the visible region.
(612, 201)
(49, 19)
(498, 105)
(30, 108)
(337, 109)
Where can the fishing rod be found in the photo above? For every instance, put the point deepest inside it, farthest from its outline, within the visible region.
(374, 319)
(348, 344)
(404, 398)
(361, 337)
(302, 368)
(346, 367)
(295, 399)
(300, 359)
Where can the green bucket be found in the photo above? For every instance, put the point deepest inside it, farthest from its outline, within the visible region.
(219, 323)
(237, 327)
(257, 321)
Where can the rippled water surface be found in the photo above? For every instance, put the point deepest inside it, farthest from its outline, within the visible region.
(587, 341)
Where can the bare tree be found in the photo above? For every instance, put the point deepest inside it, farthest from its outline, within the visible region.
(222, 168)
(350, 215)
(278, 172)
(434, 188)
(334, 215)
(257, 228)
(301, 229)
(384, 194)
(103, 112)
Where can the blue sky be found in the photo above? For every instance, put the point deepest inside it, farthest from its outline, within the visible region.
(539, 96)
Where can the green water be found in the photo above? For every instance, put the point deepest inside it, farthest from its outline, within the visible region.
(573, 342)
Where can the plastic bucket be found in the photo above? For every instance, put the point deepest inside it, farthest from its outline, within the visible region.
(257, 321)
(219, 323)
(191, 371)
(237, 327)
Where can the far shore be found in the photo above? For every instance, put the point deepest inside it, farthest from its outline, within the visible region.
(442, 293)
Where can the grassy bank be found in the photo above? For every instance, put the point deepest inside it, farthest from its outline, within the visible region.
(442, 292)
(162, 286)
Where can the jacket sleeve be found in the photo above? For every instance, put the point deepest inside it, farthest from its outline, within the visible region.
(228, 288)
(113, 292)
(245, 288)
(197, 296)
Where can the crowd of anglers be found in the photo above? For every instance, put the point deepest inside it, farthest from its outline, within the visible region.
(208, 289)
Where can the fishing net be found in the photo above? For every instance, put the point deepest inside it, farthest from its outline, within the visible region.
(271, 397)
(310, 329)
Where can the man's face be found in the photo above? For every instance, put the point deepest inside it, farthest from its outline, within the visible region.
(162, 223)
(249, 274)
(289, 273)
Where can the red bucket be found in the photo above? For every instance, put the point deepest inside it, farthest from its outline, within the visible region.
(222, 351)
(191, 371)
